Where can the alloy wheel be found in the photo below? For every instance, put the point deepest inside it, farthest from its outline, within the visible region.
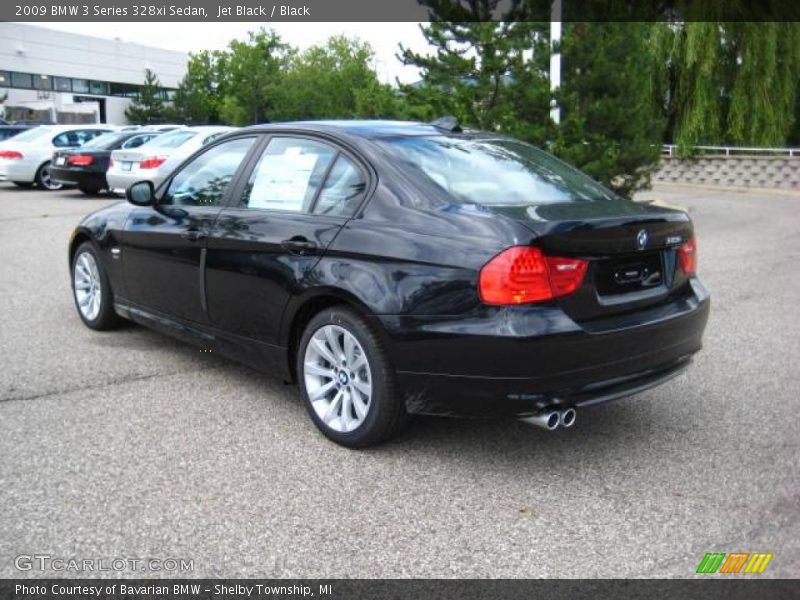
(337, 378)
(87, 286)
(47, 181)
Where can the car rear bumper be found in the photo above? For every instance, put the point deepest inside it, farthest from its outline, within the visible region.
(17, 170)
(77, 176)
(524, 360)
(119, 181)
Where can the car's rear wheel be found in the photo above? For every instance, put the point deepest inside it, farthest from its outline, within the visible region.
(44, 180)
(90, 189)
(91, 290)
(347, 382)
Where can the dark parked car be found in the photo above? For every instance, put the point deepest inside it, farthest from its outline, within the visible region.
(9, 131)
(86, 166)
(396, 268)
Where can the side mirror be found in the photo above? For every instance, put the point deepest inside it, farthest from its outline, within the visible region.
(141, 193)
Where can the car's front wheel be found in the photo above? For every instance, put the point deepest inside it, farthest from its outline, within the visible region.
(91, 289)
(45, 181)
(347, 382)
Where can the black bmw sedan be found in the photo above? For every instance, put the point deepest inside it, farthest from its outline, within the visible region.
(86, 165)
(394, 268)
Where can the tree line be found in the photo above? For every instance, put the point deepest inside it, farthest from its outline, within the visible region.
(626, 88)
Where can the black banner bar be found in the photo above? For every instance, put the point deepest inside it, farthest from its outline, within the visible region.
(705, 587)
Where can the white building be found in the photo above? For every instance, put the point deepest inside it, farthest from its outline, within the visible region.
(69, 78)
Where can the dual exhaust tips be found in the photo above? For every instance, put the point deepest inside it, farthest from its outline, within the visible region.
(552, 419)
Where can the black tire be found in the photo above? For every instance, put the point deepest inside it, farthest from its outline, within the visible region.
(23, 184)
(90, 189)
(106, 318)
(43, 179)
(386, 415)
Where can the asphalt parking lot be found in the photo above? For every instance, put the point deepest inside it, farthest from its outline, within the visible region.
(129, 444)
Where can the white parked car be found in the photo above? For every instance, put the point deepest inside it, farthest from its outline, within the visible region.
(25, 158)
(157, 158)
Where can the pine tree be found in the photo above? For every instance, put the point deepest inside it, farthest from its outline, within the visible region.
(148, 107)
(469, 74)
(610, 127)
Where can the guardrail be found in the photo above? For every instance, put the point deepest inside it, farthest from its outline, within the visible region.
(671, 150)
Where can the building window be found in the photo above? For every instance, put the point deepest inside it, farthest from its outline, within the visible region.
(42, 82)
(98, 87)
(21, 80)
(5, 79)
(62, 84)
(125, 90)
(80, 85)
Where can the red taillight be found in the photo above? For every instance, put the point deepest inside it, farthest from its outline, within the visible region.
(12, 154)
(522, 274)
(152, 162)
(80, 160)
(688, 257)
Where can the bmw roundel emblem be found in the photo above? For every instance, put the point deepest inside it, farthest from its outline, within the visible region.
(641, 239)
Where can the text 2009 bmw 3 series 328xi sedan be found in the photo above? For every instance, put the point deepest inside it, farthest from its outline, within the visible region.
(396, 268)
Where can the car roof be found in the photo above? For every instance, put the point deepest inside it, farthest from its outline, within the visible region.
(58, 128)
(360, 128)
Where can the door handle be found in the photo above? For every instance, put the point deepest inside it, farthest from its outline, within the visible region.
(192, 235)
(298, 245)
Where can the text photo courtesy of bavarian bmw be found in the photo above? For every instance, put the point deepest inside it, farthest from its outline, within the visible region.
(393, 268)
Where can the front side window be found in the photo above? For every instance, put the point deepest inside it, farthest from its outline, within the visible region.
(497, 172)
(343, 189)
(288, 175)
(204, 180)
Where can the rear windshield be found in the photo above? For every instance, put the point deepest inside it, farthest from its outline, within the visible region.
(31, 134)
(496, 172)
(105, 140)
(170, 140)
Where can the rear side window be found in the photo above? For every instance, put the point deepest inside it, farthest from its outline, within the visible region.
(76, 137)
(343, 189)
(171, 140)
(137, 141)
(288, 175)
(203, 181)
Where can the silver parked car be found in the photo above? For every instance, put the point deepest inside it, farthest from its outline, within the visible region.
(157, 158)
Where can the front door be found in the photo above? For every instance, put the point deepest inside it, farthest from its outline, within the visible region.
(163, 247)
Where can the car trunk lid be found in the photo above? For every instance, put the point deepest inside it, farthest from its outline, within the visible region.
(631, 250)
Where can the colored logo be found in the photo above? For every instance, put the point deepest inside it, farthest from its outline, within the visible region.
(734, 562)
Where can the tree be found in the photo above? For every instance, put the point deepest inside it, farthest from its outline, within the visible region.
(611, 126)
(253, 72)
(334, 80)
(197, 99)
(148, 106)
(469, 73)
(729, 82)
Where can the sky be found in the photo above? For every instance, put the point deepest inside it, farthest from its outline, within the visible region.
(191, 37)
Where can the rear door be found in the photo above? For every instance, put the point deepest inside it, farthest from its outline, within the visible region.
(164, 246)
(298, 194)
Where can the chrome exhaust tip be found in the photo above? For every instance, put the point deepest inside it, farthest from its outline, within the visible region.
(547, 420)
(568, 417)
